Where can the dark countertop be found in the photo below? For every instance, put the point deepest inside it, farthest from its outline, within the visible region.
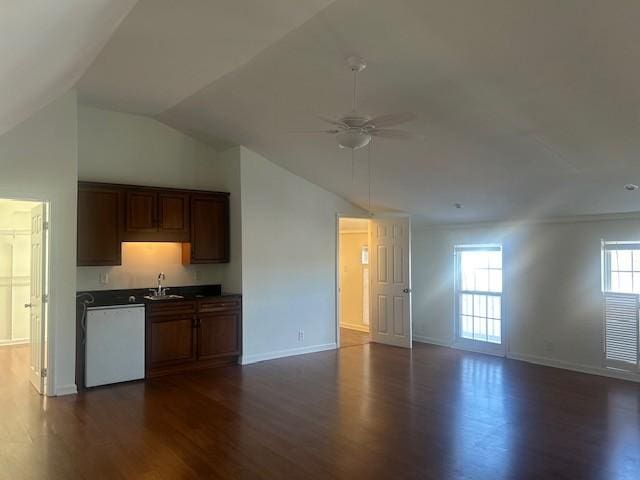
(104, 298)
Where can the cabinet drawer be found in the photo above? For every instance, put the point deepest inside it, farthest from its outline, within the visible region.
(218, 305)
(170, 308)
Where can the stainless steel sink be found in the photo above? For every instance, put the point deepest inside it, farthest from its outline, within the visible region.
(163, 297)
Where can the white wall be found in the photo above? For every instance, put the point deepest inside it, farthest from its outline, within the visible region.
(552, 286)
(230, 159)
(38, 160)
(131, 149)
(288, 260)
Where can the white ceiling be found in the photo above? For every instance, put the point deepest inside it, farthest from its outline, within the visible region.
(166, 50)
(529, 108)
(46, 46)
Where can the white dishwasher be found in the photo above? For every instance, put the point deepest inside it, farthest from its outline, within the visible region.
(114, 344)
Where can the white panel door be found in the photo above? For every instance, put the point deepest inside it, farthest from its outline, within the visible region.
(37, 302)
(391, 281)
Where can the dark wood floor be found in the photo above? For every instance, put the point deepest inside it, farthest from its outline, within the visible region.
(350, 337)
(363, 412)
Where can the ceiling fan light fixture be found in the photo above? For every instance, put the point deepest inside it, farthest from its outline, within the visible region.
(353, 139)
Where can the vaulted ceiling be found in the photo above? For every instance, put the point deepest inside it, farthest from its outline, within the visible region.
(528, 108)
(46, 46)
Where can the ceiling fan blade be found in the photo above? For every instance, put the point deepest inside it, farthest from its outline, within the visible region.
(331, 121)
(391, 119)
(332, 132)
(396, 134)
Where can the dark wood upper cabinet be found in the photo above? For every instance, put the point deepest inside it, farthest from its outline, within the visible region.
(173, 214)
(209, 229)
(109, 214)
(155, 215)
(99, 219)
(142, 208)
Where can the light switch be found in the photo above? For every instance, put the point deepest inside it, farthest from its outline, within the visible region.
(104, 278)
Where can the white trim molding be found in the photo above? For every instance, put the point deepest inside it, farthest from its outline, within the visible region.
(261, 357)
(353, 326)
(431, 341)
(546, 362)
(575, 367)
(65, 390)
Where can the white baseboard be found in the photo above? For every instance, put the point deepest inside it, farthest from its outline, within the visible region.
(65, 390)
(547, 362)
(431, 340)
(575, 367)
(359, 328)
(261, 357)
(8, 343)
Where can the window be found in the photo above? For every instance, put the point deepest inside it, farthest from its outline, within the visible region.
(621, 286)
(479, 293)
(621, 267)
(364, 255)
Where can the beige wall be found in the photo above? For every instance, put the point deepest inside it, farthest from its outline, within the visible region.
(351, 279)
(133, 149)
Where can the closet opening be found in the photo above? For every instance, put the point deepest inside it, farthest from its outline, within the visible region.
(23, 287)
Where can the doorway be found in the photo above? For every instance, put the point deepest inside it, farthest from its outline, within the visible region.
(23, 274)
(353, 281)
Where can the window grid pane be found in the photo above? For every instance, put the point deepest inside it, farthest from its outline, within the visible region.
(480, 314)
(623, 271)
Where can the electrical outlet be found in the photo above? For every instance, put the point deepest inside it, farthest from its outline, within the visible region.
(300, 335)
(103, 277)
(548, 346)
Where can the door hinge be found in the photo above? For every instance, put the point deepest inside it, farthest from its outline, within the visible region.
(45, 225)
(45, 298)
(43, 372)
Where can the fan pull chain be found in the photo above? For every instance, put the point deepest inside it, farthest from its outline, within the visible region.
(353, 166)
(355, 83)
(369, 171)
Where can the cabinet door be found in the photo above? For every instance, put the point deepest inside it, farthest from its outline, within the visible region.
(218, 335)
(209, 229)
(174, 215)
(99, 217)
(172, 340)
(142, 211)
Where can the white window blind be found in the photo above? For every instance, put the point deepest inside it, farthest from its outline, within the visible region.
(621, 330)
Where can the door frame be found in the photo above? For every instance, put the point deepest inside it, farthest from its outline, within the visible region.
(337, 271)
(49, 325)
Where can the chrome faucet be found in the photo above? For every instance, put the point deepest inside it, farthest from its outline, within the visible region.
(161, 291)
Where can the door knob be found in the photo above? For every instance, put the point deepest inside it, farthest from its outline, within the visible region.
(27, 305)
(406, 290)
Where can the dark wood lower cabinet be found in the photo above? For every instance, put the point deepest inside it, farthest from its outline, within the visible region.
(218, 335)
(193, 334)
(172, 341)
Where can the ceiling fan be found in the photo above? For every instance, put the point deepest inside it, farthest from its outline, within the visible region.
(355, 130)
